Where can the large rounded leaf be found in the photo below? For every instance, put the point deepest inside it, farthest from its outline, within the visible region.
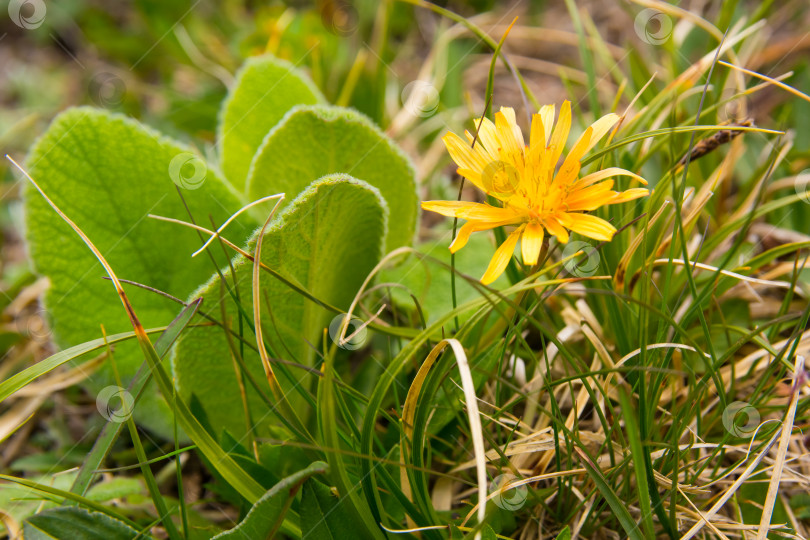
(264, 90)
(326, 241)
(311, 142)
(107, 173)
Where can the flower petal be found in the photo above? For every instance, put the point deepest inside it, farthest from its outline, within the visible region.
(590, 198)
(605, 173)
(470, 227)
(628, 195)
(509, 114)
(501, 257)
(588, 225)
(488, 136)
(547, 114)
(472, 211)
(461, 152)
(556, 229)
(537, 136)
(601, 127)
(570, 168)
(561, 130)
(531, 242)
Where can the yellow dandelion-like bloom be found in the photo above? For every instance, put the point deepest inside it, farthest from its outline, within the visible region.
(522, 177)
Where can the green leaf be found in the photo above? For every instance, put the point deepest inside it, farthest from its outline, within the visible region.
(315, 141)
(565, 534)
(50, 493)
(264, 518)
(327, 240)
(264, 90)
(20, 502)
(108, 173)
(76, 524)
(116, 488)
(637, 452)
(429, 281)
(19, 380)
(323, 515)
(109, 432)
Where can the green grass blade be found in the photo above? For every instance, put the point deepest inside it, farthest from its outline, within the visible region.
(111, 430)
(636, 452)
(240, 480)
(24, 377)
(616, 504)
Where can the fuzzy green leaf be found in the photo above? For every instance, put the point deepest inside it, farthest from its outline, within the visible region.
(327, 241)
(76, 523)
(107, 173)
(265, 89)
(315, 141)
(429, 281)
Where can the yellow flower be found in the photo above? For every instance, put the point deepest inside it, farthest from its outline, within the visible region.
(522, 178)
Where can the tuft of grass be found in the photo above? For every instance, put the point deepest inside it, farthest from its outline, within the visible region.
(652, 386)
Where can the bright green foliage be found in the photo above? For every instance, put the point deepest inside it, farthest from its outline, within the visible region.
(326, 241)
(77, 524)
(265, 89)
(264, 518)
(594, 378)
(429, 280)
(323, 516)
(107, 173)
(315, 141)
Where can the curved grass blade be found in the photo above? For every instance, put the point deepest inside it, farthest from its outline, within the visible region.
(19, 380)
(617, 505)
(62, 494)
(112, 429)
(224, 463)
